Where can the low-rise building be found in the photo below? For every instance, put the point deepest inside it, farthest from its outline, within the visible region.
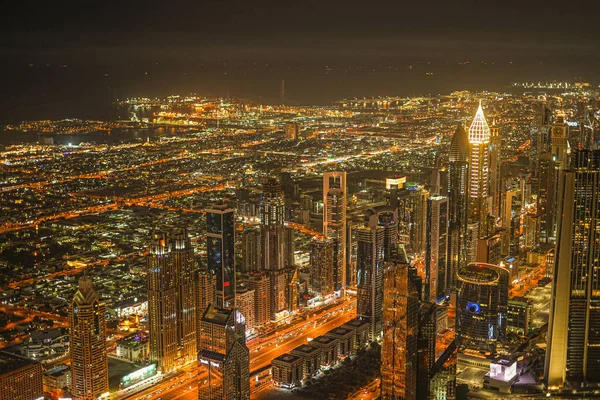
(57, 379)
(311, 355)
(519, 315)
(329, 350)
(345, 339)
(134, 347)
(287, 370)
(361, 328)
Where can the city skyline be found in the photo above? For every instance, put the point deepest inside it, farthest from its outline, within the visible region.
(292, 200)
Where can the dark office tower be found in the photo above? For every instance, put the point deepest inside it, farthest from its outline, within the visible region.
(205, 295)
(426, 348)
(560, 143)
(224, 371)
(290, 257)
(352, 225)
(436, 252)
(334, 222)
(321, 266)
(479, 174)
(495, 163)
(220, 249)
(369, 266)
(573, 348)
(481, 307)
(251, 258)
(292, 289)
(171, 300)
(87, 335)
(399, 361)
(458, 196)
(389, 220)
(546, 204)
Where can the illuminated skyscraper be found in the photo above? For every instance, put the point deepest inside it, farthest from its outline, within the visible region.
(259, 282)
(205, 295)
(220, 248)
(321, 266)
(458, 183)
(560, 143)
(400, 319)
(272, 208)
(369, 266)
(272, 219)
(479, 176)
(87, 335)
(334, 222)
(546, 202)
(573, 347)
(481, 307)
(495, 163)
(224, 372)
(418, 218)
(171, 300)
(436, 253)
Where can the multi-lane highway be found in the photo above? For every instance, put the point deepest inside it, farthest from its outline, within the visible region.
(184, 386)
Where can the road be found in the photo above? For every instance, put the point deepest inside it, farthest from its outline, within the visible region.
(368, 392)
(183, 385)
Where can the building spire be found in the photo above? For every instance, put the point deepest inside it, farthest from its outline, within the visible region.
(479, 132)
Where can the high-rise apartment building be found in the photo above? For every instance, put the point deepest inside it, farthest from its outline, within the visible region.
(220, 249)
(369, 266)
(479, 174)
(273, 249)
(87, 336)
(321, 266)
(436, 252)
(400, 330)
(171, 300)
(244, 300)
(334, 222)
(224, 371)
(573, 347)
(205, 295)
(259, 282)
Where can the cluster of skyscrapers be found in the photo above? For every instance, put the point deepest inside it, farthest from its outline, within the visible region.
(407, 260)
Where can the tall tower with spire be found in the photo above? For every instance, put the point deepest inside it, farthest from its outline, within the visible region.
(479, 139)
(87, 335)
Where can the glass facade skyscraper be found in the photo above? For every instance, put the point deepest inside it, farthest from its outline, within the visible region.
(220, 248)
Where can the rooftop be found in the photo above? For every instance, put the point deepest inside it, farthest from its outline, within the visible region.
(11, 362)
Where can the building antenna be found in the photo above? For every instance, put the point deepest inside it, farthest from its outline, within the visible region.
(282, 92)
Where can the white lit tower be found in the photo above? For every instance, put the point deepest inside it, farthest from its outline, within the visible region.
(479, 176)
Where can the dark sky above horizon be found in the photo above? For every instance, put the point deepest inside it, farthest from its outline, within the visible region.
(62, 52)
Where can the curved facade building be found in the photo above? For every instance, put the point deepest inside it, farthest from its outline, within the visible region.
(481, 306)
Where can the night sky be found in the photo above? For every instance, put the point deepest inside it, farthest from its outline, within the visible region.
(75, 58)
